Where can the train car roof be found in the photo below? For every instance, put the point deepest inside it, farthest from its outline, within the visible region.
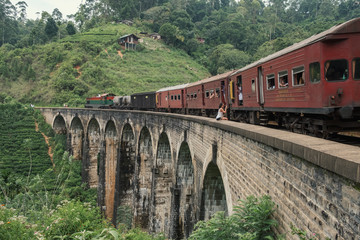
(143, 93)
(212, 78)
(351, 26)
(173, 88)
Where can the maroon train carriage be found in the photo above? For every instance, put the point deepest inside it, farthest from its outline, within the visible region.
(171, 99)
(311, 87)
(203, 97)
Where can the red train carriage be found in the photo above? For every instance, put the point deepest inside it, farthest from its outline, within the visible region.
(312, 86)
(171, 99)
(203, 97)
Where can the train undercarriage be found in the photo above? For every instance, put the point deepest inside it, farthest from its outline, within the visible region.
(310, 124)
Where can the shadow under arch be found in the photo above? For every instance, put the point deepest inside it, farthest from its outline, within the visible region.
(162, 182)
(213, 197)
(145, 161)
(59, 125)
(76, 138)
(183, 202)
(125, 168)
(111, 156)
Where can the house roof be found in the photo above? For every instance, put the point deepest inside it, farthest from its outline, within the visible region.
(128, 35)
(351, 26)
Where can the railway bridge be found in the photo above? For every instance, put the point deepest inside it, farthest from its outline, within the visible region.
(173, 170)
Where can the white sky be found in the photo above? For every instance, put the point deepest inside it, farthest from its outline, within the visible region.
(66, 7)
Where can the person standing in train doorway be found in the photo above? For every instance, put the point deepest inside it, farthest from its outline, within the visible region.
(221, 112)
(240, 94)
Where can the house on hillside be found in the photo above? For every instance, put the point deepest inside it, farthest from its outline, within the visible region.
(129, 41)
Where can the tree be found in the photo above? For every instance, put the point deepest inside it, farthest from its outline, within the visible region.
(7, 15)
(57, 16)
(51, 28)
(22, 5)
(70, 28)
(168, 32)
(226, 57)
(181, 19)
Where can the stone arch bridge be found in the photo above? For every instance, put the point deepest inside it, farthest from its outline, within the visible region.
(174, 170)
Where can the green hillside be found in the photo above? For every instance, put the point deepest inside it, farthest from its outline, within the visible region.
(86, 64)
(23, 149)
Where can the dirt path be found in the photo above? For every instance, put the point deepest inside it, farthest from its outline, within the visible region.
(47, 143)
(120, 54)
(78, 70)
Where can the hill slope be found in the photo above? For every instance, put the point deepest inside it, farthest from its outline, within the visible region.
(87, 64)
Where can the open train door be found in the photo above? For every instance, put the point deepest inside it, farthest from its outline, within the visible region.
(203, 95)
(260, 87)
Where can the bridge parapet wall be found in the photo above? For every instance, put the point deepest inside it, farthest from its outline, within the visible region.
(314, 182)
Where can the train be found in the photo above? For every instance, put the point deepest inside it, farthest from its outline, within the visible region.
(311, 87)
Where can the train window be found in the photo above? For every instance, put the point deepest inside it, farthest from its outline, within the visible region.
(298, 77)
(172, 97)
(356, 68)
(187, 97)
(175, 97)
(314, 69)
(207, 94)
(195, 95)
(283, 79)
(179, 97)
(217, 91)
(253, 85)
(336, 70)
(270, 79)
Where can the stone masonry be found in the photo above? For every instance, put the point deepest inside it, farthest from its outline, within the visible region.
(174, 170)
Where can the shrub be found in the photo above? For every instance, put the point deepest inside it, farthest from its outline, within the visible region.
(73, 216)
(250, 221)
(13, 226)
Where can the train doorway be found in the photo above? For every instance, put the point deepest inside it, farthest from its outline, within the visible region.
(260, 89)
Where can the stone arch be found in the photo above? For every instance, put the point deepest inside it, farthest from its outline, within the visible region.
(213, 197)
(125, 171)
(162, 185)
(59, 125)
(76, 138)
(145, 161)
(183, 217)
(111, 156)
(93, 152)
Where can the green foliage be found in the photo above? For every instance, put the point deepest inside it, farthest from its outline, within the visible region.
(251, 221)
(302, 234)
(124, 216)
(23, 150)
(13, 226)
(169, 32)
(70, 217)
(138, 234)
(51, 28)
